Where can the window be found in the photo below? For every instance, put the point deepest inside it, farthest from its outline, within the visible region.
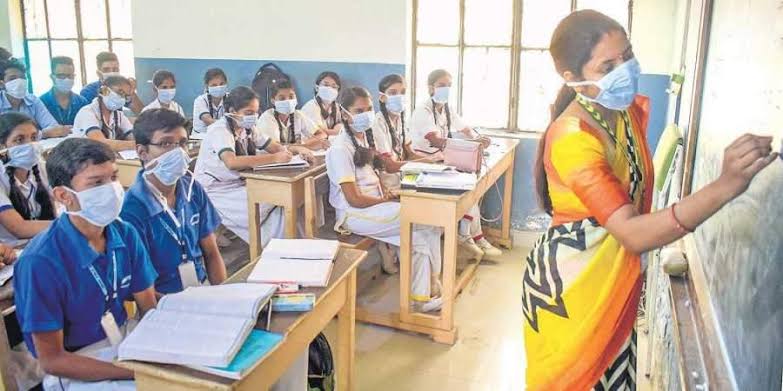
(79, 29)
(497, 52)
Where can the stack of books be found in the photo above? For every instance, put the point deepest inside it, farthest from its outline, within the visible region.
(306, 262)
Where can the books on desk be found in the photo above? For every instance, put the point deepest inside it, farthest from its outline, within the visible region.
(449, 181)
(257, 345)
(203, 326)
(295, 162)
(293, 302)
(419, 167)
(307, 262)
(129, 154)
(6, 273)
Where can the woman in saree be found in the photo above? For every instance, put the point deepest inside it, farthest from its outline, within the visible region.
(582, 280)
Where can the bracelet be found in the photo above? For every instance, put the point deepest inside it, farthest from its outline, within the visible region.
(678, 224)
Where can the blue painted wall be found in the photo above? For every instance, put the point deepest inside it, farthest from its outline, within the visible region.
(190, 75)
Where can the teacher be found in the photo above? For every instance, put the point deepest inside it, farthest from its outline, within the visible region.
(594, 174)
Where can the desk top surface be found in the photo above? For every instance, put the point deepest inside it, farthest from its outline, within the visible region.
(287, 174)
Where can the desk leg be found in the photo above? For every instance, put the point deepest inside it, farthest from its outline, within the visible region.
(346, 328)
(505, 224)
(253, 226)
(406, 261)
(449, 279)
(290, 213)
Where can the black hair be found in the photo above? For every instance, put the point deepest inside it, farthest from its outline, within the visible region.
(212, 73)
(60, 60)
(12, 63)
(237, 99)
(384, 85)
(330, 118)
(112, 81)
(104, 57)
(162, 75)
(571, 48)
(5, 55)
(8, 122)
(284, 84)
(154, 120)
(431, 80)
(72, 156)
(362, 156)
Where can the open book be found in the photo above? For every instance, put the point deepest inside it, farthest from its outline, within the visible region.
(447, 181)
(129, 154)
(307, 262)
(419, 167)
(295, 162)
(198, 326)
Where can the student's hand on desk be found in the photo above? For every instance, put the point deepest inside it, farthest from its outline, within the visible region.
(282, 156)
(307, 155)
(57, 131)
(435, 141)
(742, 160)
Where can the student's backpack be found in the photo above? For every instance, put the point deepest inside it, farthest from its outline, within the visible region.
(265, 78)
(320, 371)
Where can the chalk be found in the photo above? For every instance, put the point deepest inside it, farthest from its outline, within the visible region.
(674, 261)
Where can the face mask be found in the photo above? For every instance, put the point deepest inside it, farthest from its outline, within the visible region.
(63, 85)
(327, 94)
(113, 101)
(618, 87)
(441, 95)
(363, 121)
(170, 166)
(17, 88)
(166, 96)
(110, 74)
(245, 121)
(395, 103)
(285, 106)
(24, 156)
(218, 91)
(99, 205)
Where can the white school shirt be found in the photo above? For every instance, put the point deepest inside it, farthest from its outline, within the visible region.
(202, 105)
(341, 169)
(173, 106)
(28, 189)
(313, 111)
(219, 138)
(89, 119)
(383, 136)
(267, 125)
(423, 122)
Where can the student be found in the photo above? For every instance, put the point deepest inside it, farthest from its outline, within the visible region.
(14, 97)
(60, 101)
(365, 208)
(322, 109)
(108, 65)
(172, 213)
(165, 86)
(232, 144)
(208, 107)
(432, 123)
(26, 207)
(72, 279)
(287, 125)
(103, 119)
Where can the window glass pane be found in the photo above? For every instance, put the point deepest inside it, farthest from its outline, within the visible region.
(488, 22)
(70, 49)
(438, 21)
(538, 87)
(429, 59)
(124, 52)
(120, 18)
(539, 19)
(93, 18)
(34, 19)
(486, 83)
(39, 66)
(91, 49)
(615, 9)
(62, 18)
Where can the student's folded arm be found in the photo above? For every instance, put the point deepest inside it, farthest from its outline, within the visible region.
(115, 145)
(56, 361)
(12, 221)
(355, 197)
(206, 118)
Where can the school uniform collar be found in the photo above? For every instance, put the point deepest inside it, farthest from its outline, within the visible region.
(5, 104)
(141, 190)
(80, 249)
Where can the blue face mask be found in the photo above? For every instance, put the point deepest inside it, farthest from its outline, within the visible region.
(441, 95)
(114, 101)
(166, 95)
(217, 91)
(100, 205)
(618, 87)
(24, 156)
(63, 85)
(395, 103)
(327, 94)
(170, 166)
(363, 121)
(285, 106)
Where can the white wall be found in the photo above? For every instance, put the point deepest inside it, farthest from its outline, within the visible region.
(11, 36)
(653, 34)
(333, 30)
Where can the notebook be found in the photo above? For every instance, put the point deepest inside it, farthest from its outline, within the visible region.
(293, 302)
(419, 167)
(257, 345)
(295, 162)
(447, 181)
(199, 326)
(321, 152)
(307, 262)
(129, 154)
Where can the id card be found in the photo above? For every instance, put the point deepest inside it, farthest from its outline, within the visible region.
(109, 326)
(187, 274)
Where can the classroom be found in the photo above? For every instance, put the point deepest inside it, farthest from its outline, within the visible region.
(405, 195)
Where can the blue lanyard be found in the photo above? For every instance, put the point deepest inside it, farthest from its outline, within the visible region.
(102, 286)
(178, 237)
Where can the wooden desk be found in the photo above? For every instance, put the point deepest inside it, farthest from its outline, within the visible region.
(444, 210)
(284, 188)
(298, 329)
(7, 382)
(128, 169)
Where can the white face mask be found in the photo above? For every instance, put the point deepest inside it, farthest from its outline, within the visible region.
(217, 91)
(100, 205)
(441, 95)
(63, 85)
(113, 101)
(285, 106)
(110, 74)
(327, 94)
(167, 95)
(363, 121)
(395, 103)
(17, 88)
(24, 156)
(170, 166)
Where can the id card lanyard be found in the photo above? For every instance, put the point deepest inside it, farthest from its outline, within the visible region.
(104, 289)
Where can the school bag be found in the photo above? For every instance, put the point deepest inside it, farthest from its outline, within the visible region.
(265, 78)
(320, 371)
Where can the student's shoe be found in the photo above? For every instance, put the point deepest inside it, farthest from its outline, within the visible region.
(488, 248)
(472, 248)
(388, 259)
(433, 304)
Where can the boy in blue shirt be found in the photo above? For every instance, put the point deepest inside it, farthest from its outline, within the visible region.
(172, 212)
(108, 65)
(14, 97)
(62, 103)
(72, 279)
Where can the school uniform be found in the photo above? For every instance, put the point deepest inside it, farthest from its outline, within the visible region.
(203, 105)
(312, 110)
(380, 221)
(172, 243)
(61, 283)
(90, 91)
(382, 136)
(173, 106)
(63, 116)
(281, 132)
(33, 107)
(89, 119)
(28, 189)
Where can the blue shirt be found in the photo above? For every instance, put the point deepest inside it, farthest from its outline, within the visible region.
(198, 219)
(31, 106)
(63, 116)
(90, 91)
(54, 288)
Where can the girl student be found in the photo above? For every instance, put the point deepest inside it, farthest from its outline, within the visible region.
(363, 206)
(322, 109)
(432, 123)
(232, 144)
(165, 86)
(208, 107)
(286, 125)
(103, 119)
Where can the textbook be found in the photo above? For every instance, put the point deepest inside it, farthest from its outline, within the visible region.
(204, 325)
(295, 162)
(419, 167)
(129, 154)
(293, 302)
(307, 262)
(459, 181)
(257, 345)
